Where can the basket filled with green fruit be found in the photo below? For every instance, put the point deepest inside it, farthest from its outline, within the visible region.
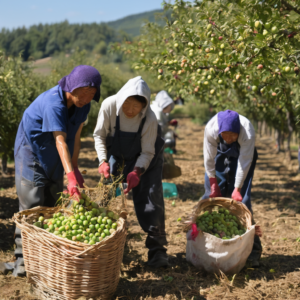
(220, 235)
(73, 251)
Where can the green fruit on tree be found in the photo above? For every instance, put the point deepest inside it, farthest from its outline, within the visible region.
(221, 53)
(254, 88)
(190, 21)
(265, 32)
(208, 27)
(220, 81)
(268, 25)
(240, 38)
(222, 46)
(257, 24)
(159, 77)
(274, 29)
(176, 45)
(287, 69)
(212, 92)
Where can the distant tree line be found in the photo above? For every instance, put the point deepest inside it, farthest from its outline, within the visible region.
(40, 41)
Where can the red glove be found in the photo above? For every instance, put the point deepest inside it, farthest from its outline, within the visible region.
(236, 195)
(173, 122)
(133, 179)
(104, 169)
(195, 232)
(214, 188)
(79, 177)
(72, 186)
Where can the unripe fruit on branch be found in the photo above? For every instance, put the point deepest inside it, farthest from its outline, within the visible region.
(257, 24)
(212, 92)
(160, 71)
(190, 21)
(254, 88)
(287, 69)
(259, 67)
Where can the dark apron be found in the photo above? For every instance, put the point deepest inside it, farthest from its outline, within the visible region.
(123, 149)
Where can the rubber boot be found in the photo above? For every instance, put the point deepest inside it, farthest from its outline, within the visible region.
(157, 254)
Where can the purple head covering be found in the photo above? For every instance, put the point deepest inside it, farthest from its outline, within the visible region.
(229, 120)
(82, 76)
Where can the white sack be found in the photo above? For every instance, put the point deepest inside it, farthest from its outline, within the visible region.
(213, 254)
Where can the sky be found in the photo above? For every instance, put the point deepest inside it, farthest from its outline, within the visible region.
(18, 13)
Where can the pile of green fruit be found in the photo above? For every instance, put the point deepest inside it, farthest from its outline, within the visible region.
(88, 224)
(221, 224)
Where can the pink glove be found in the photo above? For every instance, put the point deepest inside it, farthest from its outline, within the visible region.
(173, 122)
(79, 177)
(236, 195)
(104, 169)
(214, 188)
(195, 232)
(72, 186)
(133, 179)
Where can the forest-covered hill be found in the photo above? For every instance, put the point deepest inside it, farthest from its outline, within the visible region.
(45, 40)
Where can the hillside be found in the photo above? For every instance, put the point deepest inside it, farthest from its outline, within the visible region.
(132, 24)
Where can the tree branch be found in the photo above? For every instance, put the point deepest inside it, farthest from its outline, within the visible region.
(290, 7)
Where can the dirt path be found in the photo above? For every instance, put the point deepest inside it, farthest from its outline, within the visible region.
(276, 198)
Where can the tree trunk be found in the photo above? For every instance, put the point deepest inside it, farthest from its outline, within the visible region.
(278, 141)
(290, 128)
(4, 163)
(299, 158)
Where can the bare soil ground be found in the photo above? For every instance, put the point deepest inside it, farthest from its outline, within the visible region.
(276, 205)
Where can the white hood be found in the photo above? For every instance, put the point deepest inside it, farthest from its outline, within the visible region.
(162, 100)
(134, 86)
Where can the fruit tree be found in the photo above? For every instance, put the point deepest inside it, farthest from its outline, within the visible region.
(242, 55)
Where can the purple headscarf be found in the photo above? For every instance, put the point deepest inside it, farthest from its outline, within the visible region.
(229, 120)
(82, 76)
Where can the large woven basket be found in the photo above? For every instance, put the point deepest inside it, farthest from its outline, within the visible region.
(62, 269)
(236, 208)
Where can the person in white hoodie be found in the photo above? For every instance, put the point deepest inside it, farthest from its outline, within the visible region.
(162, 106)
(229, 159)
(127, 134)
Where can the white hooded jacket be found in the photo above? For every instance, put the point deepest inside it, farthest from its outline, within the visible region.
(162, 100)
(246, 141)
(112, 107)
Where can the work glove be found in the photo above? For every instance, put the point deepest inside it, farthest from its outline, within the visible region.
(104, 169)
(72, 186)
(133, 179)
(214, 188)
(194, 232)
(79, 177)
(236, 195)
(258, 231)
(173, 122)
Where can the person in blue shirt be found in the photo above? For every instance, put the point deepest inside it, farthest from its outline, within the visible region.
(47, 144)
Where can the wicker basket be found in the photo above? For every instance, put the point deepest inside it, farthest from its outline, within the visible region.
(62, 269)
(236, 208)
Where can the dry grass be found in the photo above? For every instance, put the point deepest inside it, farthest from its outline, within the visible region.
(276, 198)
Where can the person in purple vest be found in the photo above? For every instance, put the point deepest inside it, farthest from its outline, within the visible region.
(229, 158)
(47, 144)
